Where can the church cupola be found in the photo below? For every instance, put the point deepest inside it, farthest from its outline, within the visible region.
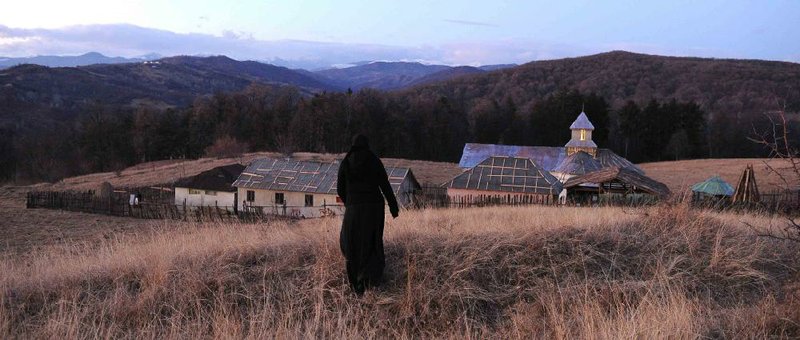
(581, 136)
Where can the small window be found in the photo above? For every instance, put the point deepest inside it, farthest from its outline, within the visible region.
(309, 200)
(279, 198)
(211, 193)
(251, 196)
(194, 192)
(583, 134)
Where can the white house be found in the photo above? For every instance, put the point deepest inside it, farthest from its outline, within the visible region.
(306, 188)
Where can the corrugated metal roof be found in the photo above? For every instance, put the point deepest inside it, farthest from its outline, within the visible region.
(304, 176)
(547, 157)
(578, 163)
(714, 186)
(511, 174)
(582, 122)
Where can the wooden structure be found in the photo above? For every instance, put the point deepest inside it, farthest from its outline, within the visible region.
(580, 155)
(500, 179)
(307, 188)
(581, 140)
(747, 189)
(621, 183)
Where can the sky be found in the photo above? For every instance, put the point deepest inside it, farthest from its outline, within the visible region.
(447, 31)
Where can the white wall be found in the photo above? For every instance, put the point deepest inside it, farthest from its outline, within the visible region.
(221, 199)
(324, 204)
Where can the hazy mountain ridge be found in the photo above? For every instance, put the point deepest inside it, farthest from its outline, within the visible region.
(380, 75)
(89, 58)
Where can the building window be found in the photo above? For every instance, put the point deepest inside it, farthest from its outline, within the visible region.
(309, 200)
(583, 134)
(194, 192)
(279, 198)
(211, 193)
(251, 196)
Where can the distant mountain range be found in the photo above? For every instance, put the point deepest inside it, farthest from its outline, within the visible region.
(396, 75)
(72, 61)
(38, 93)
(363, 74)
(32, 93)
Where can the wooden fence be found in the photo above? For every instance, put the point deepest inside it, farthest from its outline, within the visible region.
(118, 204)
(776, 201)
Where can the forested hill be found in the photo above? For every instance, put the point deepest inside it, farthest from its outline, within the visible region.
(646, 108)
(44, 94)
(722, 87)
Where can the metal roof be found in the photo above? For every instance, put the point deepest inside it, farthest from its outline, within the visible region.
(714, 186)
(577, 143)
(582, 122)
(511, 174)
(304, 176)
(547, 157)
(578, 163)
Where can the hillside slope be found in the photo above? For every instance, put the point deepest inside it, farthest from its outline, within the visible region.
(721, 86)
(28, 91)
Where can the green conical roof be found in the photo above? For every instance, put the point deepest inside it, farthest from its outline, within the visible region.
(714, 186)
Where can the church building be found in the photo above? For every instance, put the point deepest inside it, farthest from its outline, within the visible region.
(575, 165)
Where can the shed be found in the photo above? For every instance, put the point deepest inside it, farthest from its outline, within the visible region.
(615, 181)
(504, 178)
(209, 188)
(307, 188)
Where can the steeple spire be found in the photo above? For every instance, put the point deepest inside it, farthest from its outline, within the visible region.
(581, 136)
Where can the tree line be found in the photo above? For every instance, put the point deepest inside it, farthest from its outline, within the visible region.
(423, 126)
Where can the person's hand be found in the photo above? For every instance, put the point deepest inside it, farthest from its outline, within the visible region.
(395, 212)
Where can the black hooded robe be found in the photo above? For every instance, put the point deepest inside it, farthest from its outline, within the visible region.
(362, 184)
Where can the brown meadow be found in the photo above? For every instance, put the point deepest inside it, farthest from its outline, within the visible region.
(508, 272)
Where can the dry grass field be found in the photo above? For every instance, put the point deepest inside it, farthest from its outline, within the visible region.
(680, 175)
(503, 272)
(513, 272)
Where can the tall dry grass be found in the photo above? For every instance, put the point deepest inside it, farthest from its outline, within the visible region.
(526, 272)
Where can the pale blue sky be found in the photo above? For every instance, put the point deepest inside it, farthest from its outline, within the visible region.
(465, 32)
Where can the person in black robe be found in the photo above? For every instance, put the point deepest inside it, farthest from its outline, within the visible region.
(362, 184)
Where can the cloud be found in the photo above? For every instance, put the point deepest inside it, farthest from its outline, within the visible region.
(470, 23)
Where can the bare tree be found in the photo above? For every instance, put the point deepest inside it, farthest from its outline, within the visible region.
(781, 145)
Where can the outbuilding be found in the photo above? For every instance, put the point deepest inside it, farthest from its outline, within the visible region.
(503, 179)
(209, 188)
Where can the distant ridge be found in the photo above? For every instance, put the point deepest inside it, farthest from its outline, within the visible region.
(72, 61)
(30, 91)
(379, 75)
